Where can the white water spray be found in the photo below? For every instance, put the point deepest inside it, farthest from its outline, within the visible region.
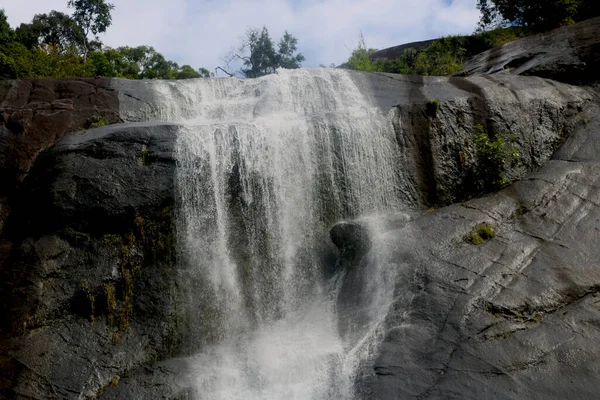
(266, 167)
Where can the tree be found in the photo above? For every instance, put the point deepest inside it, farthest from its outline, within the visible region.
(92, 16)
(187, 72)
(288, 45)
(142, 62)
(53, 29)
(360, 59)
(6, 32)
(263, 59)
(537, 15)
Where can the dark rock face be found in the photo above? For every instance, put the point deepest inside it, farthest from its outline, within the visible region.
(351, 238)
(87, 290)
(570, 54)
(35, 114)
(516, 317)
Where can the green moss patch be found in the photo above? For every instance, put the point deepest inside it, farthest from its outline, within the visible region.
(481, 234)
(95, 121)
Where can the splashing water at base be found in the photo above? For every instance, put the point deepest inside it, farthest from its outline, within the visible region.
(265, 168)
(298, 357)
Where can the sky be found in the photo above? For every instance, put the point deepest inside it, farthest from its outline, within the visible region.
(202, 32)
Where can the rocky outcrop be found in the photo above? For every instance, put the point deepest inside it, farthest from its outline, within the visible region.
(35, 114)
(87, 292)
(570, 54)
(437, 118)
(515, 317)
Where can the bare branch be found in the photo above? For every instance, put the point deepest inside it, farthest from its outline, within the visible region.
(230, 75)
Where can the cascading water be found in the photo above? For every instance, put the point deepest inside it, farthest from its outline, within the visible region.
(265, 168)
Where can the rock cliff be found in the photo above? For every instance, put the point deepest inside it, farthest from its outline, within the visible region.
(90, 281)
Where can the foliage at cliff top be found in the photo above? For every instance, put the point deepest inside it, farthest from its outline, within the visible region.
(57, 45)
(444, 56)
(512, 19)
(257, 51)
(536, 15)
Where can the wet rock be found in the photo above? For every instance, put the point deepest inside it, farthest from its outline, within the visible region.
(87, 287)
(351, 238)
(504, 320)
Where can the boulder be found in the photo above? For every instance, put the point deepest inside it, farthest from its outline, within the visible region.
(351, 238)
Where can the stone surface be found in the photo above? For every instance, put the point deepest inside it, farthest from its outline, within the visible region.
(87, 290)
(514, 318)
(351, 238)
(570, 54)
(437, 150)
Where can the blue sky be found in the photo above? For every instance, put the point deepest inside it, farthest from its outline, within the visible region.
(202, 32)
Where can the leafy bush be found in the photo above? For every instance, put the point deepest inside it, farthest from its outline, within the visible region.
(360, 59)
(493, 156)
(443, 57)
(485, 40)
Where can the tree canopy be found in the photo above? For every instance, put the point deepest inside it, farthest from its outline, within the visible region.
(537, 15)
(53, 29)
(57, 45)
(263, 59)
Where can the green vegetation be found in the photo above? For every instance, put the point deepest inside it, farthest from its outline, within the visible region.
(260, 57)
(441, 57)
(481, 234)
(90, 16)
(536, 15)
(493, 155)
(149, 243)
(56, 45)
(360, 59)
(95, 121)
(91, 299)
(143, 160)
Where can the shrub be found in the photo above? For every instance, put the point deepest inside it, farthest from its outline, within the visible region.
(493, 155)
(444, 56)
(481, 234)
(95, 121)
(360, 59)
(486, 40)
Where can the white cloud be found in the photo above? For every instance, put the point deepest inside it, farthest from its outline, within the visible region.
(201, 32)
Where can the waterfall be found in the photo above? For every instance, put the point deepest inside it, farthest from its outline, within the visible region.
(265, 168)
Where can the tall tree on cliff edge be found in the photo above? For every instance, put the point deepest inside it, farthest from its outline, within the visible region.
(92, 16)
(263, 58)
(7, 64)
(537, 15)
(52, 29)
